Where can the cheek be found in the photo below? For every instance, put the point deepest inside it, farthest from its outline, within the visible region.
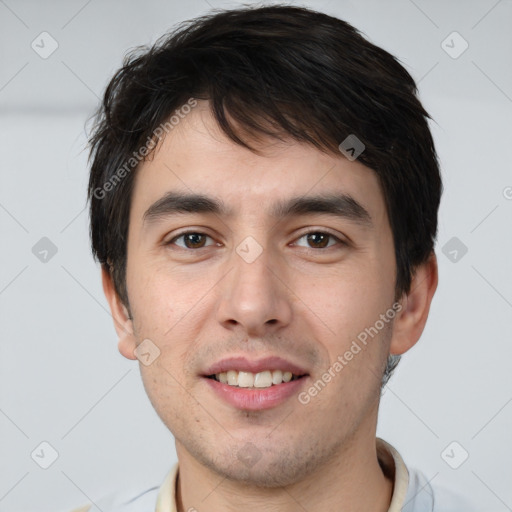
(160, 298)
(171, 308)
(348, 300)
(342, 308)
(166, 392)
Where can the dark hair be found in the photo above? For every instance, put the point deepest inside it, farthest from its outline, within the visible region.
(279, 71)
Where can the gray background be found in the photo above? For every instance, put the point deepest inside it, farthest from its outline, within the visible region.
(62, 379)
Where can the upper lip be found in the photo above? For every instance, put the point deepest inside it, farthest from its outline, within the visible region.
(241, 363)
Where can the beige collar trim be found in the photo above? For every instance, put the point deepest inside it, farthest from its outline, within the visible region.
(394, 466)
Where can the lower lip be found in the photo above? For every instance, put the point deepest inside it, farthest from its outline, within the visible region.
(256, 399)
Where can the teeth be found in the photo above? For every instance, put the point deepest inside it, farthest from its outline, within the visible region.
(263, 379)
(277, 377)
(245, 380)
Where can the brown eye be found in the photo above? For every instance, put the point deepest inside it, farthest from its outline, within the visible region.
(191, 240)
(319, 240)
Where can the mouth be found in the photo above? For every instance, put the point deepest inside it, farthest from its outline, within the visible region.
(255, 385)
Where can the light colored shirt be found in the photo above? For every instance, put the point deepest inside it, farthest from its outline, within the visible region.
(412, 492)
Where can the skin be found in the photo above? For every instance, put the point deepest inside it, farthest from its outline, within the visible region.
(296, 300)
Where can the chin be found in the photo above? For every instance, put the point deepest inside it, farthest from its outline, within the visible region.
(272, 469)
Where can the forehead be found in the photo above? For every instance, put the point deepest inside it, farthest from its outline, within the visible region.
(197, 158)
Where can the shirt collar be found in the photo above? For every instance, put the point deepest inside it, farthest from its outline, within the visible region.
(389, 459)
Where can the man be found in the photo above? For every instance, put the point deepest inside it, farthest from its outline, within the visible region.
(264, 193)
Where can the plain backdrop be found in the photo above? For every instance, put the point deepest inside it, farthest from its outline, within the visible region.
(447, 409)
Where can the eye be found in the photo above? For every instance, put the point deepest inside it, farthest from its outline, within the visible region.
(320, 239)
(197, 240)
(191, 240)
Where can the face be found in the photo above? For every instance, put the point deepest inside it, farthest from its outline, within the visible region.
(253, 283)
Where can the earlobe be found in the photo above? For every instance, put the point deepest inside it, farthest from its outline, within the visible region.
(122, 321)
(410, 322)
(126, 347)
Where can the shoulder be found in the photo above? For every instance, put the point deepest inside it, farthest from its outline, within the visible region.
(143, 500)
(122, 501)
(448, 500)
(413, 492)
(421, 494)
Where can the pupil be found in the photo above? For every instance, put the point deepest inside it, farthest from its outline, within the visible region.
(321, 236)
(193, 237)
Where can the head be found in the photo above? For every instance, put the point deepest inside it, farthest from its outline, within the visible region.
(293, 249)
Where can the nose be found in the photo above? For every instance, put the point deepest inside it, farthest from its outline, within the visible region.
(254, 296)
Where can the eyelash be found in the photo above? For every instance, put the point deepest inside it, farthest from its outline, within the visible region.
(316, 232)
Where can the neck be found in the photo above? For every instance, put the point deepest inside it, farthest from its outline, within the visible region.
(352, 480)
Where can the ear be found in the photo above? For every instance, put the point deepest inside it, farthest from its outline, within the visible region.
(411, 320)
(122, 321)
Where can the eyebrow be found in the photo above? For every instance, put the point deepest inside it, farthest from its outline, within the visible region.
(340, 205)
